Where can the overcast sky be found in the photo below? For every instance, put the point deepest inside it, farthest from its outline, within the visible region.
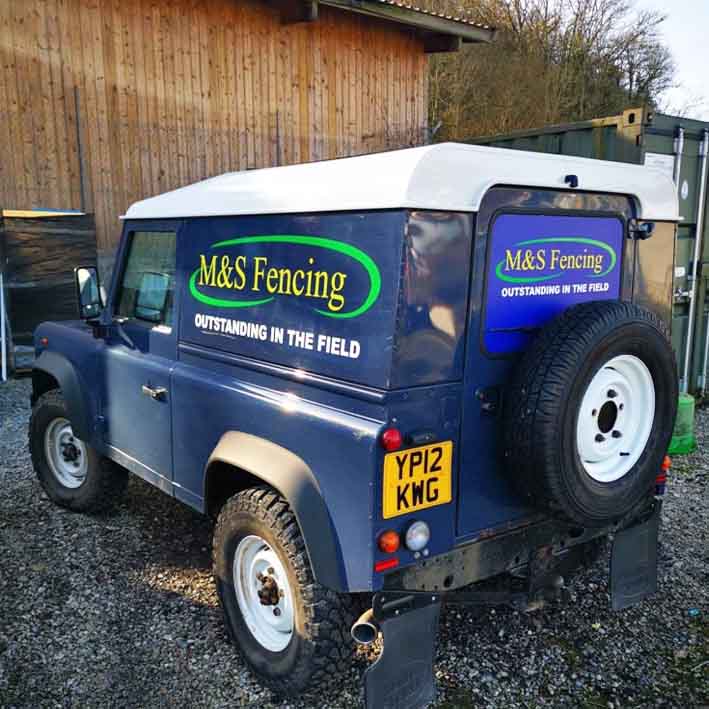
(686, 31)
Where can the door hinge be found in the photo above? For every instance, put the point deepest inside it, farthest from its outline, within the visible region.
(640, 231)
(489, 398)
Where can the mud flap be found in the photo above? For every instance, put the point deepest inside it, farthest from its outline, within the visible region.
(402, 677)
(633, 574)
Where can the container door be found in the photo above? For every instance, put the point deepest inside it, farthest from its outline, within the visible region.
(661, 142)
(531, 262)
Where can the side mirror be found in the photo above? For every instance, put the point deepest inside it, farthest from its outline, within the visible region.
(152, 296)
(88, 292)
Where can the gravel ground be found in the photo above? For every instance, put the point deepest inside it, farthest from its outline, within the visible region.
(120, 610)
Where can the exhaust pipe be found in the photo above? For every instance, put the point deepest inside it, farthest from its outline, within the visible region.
(365, 630)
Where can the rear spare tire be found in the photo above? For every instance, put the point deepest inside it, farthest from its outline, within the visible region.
(589, 412)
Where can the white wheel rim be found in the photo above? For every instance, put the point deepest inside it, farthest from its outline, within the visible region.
(615, 419)
(65, 454)
(256, 567)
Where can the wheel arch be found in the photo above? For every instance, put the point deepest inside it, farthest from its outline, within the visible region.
(241, 460)
(52, 370)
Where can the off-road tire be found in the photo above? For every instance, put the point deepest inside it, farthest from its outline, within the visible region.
(105, 481)
(541, 409)
(321, 648)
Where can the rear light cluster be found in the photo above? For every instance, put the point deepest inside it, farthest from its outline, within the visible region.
(416, 539)
(389, 541)
(391, 439)
(417, 535)
(661, 479)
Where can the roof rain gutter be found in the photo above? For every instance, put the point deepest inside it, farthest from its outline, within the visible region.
(414, 18)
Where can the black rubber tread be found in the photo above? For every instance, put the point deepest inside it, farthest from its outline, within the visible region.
(105, 482)
(535, 403)
(322, 648)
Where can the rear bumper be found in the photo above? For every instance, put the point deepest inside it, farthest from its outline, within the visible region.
(403, 675)
(488, 557)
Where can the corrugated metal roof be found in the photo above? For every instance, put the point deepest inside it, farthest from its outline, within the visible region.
(443, 16)
(433, 25)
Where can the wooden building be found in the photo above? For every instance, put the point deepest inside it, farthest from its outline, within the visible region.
(104, 102)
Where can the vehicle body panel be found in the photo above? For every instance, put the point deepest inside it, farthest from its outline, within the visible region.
(337, 445)
(137, 425)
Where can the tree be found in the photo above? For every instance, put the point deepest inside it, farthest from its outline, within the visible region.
(553, 61)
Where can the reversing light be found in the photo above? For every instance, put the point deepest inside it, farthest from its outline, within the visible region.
(418, 535)
(389, 541)
(392, 439)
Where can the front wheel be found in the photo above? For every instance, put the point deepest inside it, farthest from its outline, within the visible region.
(293, 632)
(72, 474)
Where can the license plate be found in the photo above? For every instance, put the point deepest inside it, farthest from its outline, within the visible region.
(417, 478)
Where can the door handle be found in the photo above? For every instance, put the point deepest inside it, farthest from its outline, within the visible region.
(157, 393)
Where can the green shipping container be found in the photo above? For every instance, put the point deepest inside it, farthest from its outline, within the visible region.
(678, 147)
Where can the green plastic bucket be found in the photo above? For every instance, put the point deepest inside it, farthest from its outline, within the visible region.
(683, 436)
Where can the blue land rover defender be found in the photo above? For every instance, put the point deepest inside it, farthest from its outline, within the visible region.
(387, 377)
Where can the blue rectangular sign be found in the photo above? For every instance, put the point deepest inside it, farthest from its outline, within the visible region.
(312, 292)
(540, 265)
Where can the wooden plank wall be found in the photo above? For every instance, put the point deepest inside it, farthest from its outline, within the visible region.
(104, 102)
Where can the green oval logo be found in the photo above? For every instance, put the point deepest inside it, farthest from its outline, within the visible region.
(555, 261)
(218, 271)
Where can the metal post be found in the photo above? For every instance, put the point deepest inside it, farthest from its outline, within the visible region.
(698, 242)
(702, 208)
(679, 149)
(3, 339)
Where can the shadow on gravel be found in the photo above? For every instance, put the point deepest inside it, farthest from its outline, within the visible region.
(179, 536)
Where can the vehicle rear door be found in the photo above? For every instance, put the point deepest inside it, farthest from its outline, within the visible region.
(536, 253)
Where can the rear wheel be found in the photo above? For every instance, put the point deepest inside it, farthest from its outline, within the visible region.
(72, 474)
(293, 632)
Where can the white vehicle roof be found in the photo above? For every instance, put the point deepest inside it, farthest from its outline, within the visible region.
(450, 177)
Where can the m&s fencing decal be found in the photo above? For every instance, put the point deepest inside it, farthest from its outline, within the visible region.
(316, 293)
(552, 257)
(247, 282)
(539, 265)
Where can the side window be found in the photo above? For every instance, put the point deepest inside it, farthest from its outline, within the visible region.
(148, 284)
